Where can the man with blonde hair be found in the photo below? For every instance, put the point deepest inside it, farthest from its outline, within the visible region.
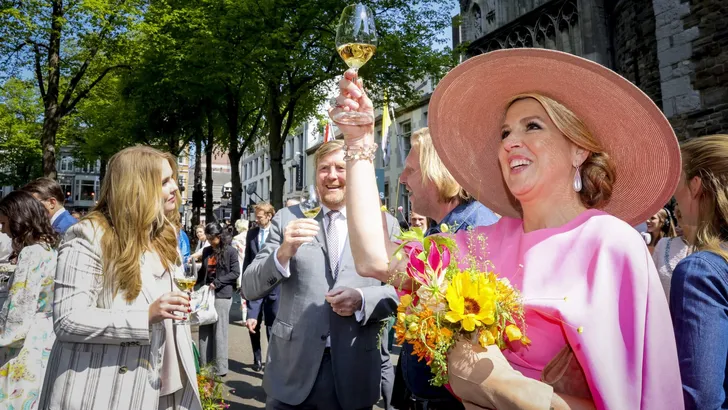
(267, 306)
(435, 194)
(326, 350)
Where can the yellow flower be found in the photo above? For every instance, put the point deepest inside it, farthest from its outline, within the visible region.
(401, 317)
(383, 208)
(486, 338)
(405, 300)
(513, 333)
(444, 228)
(471, 301)
(413, 327)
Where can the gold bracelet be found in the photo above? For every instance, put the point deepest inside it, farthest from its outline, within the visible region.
(366, 151)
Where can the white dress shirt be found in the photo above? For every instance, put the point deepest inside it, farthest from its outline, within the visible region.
(343, 230)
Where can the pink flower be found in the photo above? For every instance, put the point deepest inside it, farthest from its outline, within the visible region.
(432, 272)
(438, 261)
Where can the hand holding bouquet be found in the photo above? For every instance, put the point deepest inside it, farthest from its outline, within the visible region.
(451, 301)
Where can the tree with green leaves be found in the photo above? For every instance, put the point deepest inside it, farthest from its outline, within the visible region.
(20, 125)
(70, 47)
(296, 60)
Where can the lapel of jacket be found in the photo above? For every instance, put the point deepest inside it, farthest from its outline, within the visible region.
(254, 240)
(150, 264)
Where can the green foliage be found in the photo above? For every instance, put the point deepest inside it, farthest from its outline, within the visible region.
(20, 116)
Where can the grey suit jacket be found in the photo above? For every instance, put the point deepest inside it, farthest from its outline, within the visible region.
(106, 355)
(305, 319)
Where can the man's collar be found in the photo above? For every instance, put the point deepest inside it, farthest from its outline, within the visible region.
(325, 209)
(57, 214)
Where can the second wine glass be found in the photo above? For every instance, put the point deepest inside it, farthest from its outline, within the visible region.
(310, 204)
(356, 42)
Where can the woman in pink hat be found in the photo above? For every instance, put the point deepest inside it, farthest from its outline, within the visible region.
(554, 143)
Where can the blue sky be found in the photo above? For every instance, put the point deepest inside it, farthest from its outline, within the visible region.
(454, 11)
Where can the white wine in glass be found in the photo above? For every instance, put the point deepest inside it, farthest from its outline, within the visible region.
(185, 279)
(356, 42)
(356, 55)
(310, 205)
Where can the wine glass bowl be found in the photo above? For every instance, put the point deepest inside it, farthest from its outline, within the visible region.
(356, 42)
(310, 204)
(185, 278)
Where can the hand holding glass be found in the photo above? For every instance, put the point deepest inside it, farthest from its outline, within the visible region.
(356, 42)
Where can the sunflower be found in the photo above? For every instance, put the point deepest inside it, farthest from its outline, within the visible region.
(471, 300)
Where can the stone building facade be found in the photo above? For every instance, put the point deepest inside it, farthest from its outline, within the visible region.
(676, 51)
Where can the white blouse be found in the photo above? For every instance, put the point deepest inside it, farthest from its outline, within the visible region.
(668, 253)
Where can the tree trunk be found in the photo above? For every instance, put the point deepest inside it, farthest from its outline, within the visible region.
(234, 155)
(52, 114)
(209, 216)
(198, 175)
(275, 141)
(102, 171)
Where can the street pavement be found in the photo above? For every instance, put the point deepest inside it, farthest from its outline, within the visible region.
(244, 388)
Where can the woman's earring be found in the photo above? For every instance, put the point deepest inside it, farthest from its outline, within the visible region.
(577, 180)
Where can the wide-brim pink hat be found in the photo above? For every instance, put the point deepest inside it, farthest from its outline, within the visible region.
(469, 104)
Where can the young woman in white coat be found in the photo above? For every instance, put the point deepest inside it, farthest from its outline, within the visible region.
(116, 346)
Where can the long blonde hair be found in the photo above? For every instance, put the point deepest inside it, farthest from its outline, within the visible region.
(707, 158)
(432, 169)
(598, 172)
(130, 212)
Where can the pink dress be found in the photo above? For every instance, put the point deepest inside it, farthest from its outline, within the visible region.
(596, 275)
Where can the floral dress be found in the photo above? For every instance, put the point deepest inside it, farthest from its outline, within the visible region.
(26, 328)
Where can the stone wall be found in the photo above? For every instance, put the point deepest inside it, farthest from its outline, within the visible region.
(692, 45)
(632, 24)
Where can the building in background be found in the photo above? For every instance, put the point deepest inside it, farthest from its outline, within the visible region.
(674, 50)
(80, 180)
(256, 174)
(221, 176)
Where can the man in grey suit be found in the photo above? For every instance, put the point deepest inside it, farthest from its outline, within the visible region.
(325, 349)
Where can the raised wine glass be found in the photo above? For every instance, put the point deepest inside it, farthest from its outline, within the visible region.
(185, 277)
(310, 204)
(356, 42)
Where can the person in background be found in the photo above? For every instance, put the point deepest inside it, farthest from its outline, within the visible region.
(6, 247)
(418, 221)
(434, 194)
(670, 251)
(241, 226)
(202, 242)
(183, 243)
(26, 318)
(658, 226)
(220, 270)
(50, 194)
(267, 306)
(116, 347)
(699, 289)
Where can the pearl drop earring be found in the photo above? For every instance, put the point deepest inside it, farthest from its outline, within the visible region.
(577, 179)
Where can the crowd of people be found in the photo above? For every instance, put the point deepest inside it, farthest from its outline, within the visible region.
(619, 317)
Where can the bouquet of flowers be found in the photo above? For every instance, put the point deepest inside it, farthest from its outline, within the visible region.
(450, 301)
(211, 389)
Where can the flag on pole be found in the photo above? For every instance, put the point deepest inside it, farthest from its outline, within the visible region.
(386, 122)
(328, 132)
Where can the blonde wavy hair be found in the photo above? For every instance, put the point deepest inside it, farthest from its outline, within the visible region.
(707, 158)
(130, 212)
(434, 170)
